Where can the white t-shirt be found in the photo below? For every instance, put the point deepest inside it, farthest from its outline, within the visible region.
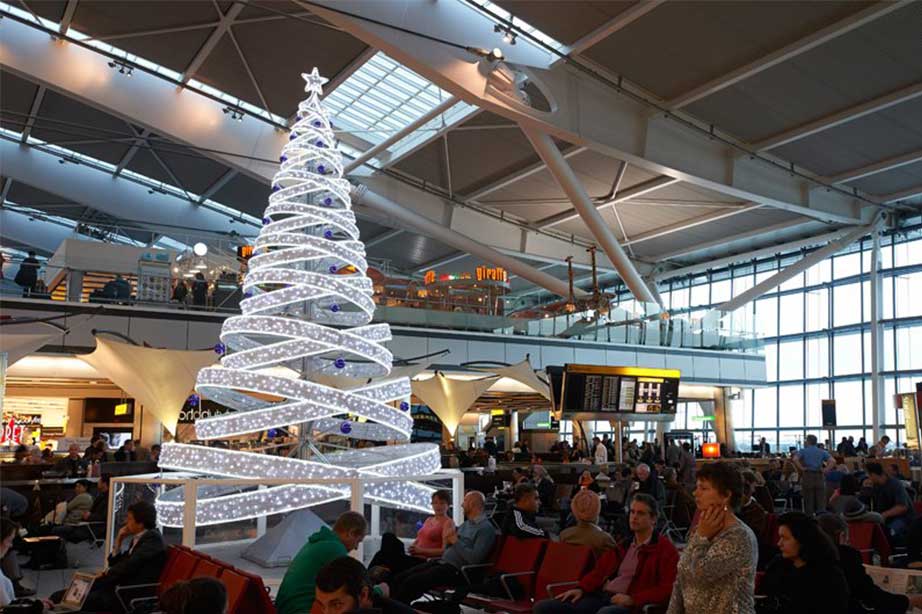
(7, 594)
(601, 454)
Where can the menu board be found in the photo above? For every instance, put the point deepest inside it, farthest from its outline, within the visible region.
(605, 390)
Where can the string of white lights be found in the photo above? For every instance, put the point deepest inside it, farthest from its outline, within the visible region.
(307, 275)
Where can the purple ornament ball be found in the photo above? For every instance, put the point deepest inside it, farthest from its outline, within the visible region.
(339, 363)
(345, 428)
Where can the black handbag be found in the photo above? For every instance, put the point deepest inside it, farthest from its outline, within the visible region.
(24, 606)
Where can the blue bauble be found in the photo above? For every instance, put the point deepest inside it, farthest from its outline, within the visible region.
(247, 294)
(276, 188)
(319, 143)
(283, 158)
(345, 428)
(327, 234)
(328, 201)
(220, 348)
(334, 308)
(322, 169)
(404, 406)
(317, 123)
(333, 268)
(339, 363)
(266, 221)
(292, 136)
(193, 399)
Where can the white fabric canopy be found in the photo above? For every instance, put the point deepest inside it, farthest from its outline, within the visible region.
(161, 380)
(523, 373)
(19, 346)
(345, 383)
(451, 398)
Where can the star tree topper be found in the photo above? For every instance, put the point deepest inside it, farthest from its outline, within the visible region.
(313, 81)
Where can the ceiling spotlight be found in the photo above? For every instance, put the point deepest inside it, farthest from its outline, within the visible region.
(496, 55)
(123, 67)
(509, 35)
(234, 112)
(199, 249)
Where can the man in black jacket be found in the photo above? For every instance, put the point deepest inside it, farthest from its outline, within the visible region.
(343, 586)
(137, 557)
(864, 593)
(520, 521)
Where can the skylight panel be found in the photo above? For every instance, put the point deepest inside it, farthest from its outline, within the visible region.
(493, 10)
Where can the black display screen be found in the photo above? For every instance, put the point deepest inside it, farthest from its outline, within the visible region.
(606, 390)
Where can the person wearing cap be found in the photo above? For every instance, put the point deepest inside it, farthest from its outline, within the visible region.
(811, 461)
(864, 595)
(585, 507)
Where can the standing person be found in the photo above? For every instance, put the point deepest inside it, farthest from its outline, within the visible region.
(199, 290)
(599, 452)
(806, 578)
(862, 447)
(624, 579)
(297, 591)
(545, 485)
(811, 461)
(470, 544)
(881, 448)
(673, 454)
(850, 447)
(686, 467)
(429, 542)
(891, 501)
(180, 291)
(764, 448)
(717, 569)
(489, 446)
(27, 275)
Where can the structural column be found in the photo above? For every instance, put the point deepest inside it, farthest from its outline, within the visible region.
(877, 389)
(74, 286)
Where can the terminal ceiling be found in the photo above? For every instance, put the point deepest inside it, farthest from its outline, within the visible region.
(677, 53)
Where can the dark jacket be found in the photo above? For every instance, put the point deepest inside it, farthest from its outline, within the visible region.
(122, 455)
(815, 588)
(100, 510)
(653, 579)
(141, 565)
(862, 587)
(547, 493)
(522, 524)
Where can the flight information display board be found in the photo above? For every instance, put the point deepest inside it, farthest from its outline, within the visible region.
(591, 389)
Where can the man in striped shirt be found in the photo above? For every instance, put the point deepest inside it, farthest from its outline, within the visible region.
(520, 520)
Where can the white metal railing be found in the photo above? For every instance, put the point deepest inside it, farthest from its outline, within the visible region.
(190, 484)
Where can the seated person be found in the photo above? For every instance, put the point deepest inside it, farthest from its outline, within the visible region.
(342, 586)
(806, 578)
(73, 464)
(891, 501)
(627, 578)
(73, 510)
(864, 593)
(846, 501)
(196, 596)
(683, 504)
(649, 484)
(98, 513)
(8, 531)
(520, 520)
(126, 452)
(585, 507)
(296, 593)
(469, 544)
(137, 557)
(755, 517)
(429, 542)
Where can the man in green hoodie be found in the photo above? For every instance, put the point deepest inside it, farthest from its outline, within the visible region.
(296, 594)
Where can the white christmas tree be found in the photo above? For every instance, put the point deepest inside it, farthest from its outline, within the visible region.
(307, 306)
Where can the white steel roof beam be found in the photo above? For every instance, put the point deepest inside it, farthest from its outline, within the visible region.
(33, 112)
(820, 37)
(586, 109)
(616, 23)
(841, 117)
(575, 190)
(902, 195)
(517, 176)
(43, 235)
(118, 197)
(213, 39)
(640, 189)
(878, 167)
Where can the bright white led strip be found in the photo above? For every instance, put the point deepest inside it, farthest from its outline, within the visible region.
(308, 273)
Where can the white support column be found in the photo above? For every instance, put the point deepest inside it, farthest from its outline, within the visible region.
(375, 520)
(574, 189)
(261, 520)
(457, 496)
(514, 428)
(357, 504)
(110, 517)
(74, 286)
(190, 503)
(877, 388)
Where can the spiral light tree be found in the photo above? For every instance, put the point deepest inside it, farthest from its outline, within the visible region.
(307, 306)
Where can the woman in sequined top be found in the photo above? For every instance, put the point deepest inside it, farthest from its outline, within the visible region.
(717, 569)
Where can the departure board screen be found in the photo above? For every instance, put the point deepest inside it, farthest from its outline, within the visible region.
(606, 390)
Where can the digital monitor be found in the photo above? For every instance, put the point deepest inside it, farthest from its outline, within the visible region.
(592, 389)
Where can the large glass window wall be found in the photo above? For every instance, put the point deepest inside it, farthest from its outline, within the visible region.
(816, 328)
